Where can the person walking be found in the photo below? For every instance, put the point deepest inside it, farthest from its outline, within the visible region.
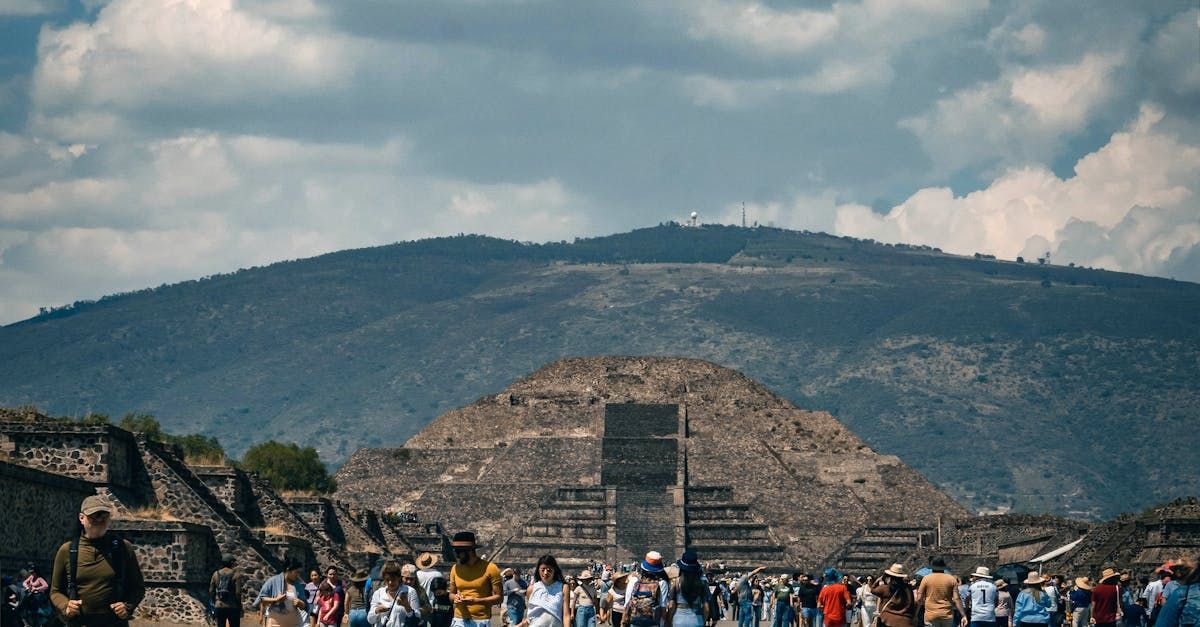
(548, 601)
(868, 603)
(981, 595)
(281, 598)
(745, 597)
(355, 601)
(1004, 604)
(614, 613)
(393, 603)
(310, 594)
(225, 590)
(1106, 600)
(689, 594)
(1081, 602)
(514, 597)
(1182, 605)
(1033, 607)
(583, 600)
(783, 603)
(897, 605)
(646, 594)
(806, 595)
(938, 595)
(833, 600)
(96, 580)
(475, 583)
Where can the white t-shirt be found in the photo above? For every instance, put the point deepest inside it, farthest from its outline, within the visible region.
(545, 599)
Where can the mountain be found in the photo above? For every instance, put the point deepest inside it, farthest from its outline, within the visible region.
(1037, 387)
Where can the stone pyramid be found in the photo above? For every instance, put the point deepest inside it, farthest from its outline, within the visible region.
(604, 458)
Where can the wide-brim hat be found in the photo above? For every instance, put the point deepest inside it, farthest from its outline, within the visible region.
(982, 572)
(1083, 583)
(897, 570)
(653, 562)
(689, 562)
(359, 576)
(1033, 579)
(619, 577)
(585, 576)
(463, 540)
(1109, 574)
(427, 560)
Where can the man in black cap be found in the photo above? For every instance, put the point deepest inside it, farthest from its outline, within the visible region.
(225, 590)
(475, 583)
(96, 579)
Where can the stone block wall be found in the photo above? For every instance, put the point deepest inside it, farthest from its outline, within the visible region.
(100, 454)
(39, 515)
(318, 513)
(172, 552)
(232, 487)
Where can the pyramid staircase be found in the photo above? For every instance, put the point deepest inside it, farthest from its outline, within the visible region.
(576, 526)
(878, 546)
(727, 532)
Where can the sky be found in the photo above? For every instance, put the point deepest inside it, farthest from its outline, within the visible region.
(145, 142)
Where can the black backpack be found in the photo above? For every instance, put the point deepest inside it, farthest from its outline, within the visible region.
(225, 589)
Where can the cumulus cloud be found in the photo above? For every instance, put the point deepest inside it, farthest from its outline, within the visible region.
(202, 203)
(847, 46)
(1022, 117)
(1132, 205)
(141, 53)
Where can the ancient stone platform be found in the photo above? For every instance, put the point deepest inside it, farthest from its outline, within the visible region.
(602, 458)
(180, 517)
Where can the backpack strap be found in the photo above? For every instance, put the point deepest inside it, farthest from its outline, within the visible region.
(72, 584)
(116, 561)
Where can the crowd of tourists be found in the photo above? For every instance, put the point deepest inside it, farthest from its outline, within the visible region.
(97, 582)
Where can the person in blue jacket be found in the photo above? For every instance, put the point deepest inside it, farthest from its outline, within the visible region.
(1182, 606)
(1033, 604)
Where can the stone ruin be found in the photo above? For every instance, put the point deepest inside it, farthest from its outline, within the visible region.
(180, 517)
(604, 458)
(1139, 543)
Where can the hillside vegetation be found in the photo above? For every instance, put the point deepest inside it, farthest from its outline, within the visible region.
(1038, 387)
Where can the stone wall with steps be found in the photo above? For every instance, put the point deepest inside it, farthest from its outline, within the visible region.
(38, 507)
(180, 519)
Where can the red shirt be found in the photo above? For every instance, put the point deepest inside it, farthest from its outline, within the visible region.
(1104, 603)
(834, 599)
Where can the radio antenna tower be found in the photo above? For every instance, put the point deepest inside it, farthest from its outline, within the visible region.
(743, 214)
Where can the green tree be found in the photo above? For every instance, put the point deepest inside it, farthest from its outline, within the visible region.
(289, 467)
(143, 423)
(196, 447)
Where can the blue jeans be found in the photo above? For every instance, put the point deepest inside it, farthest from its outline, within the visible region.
(811, 616)
(783, 616)
(358, 618)
(515, 614)
(585, 616)
(687, 617)
(745, 615)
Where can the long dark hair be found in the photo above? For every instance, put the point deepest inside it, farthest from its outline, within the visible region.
(690, 587)
(1194, 576)
(549, 560)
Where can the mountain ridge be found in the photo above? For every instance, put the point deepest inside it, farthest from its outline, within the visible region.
(919, 352)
